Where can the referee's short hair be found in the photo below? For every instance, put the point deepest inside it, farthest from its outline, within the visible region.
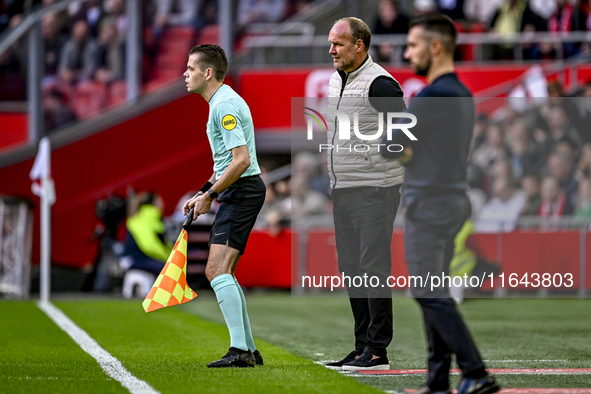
(214, 57)
(440, 25)
(359, 30)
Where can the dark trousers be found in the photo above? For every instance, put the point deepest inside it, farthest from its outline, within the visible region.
(364, 219)
(430, 228)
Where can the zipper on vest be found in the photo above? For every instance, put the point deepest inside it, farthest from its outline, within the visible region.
(335, 134)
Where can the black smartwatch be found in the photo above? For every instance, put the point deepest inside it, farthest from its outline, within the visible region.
(213, 194)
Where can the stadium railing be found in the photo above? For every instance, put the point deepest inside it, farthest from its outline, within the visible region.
(30, 28)
(313, 50)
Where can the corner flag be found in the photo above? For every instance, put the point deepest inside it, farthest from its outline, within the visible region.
(171, 286)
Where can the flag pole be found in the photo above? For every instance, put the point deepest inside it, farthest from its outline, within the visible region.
(45, 189)
(45, 280)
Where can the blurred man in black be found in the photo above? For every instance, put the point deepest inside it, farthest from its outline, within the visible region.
(436, 200)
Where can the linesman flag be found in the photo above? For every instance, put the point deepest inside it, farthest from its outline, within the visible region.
(171, 286)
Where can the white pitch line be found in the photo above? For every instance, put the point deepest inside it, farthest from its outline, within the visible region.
(108, 363)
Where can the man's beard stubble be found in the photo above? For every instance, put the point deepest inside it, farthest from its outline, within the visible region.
(423, 71)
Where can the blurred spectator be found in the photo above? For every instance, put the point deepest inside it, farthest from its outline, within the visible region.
(544, 8)
(79, 56)
(110, 54)
(260, 11)
(562, 21)
(561, 167)
(304, 164)
(19, 49)
(530, 184)
(582, 22)
(492, 148)
(53, 41)
(275, 214)
(207, 14)
(91, 12)
(559, 127)
(501, 169)
(8, 9)
(115, 13)
(144, 242)
(524, 155)
(13, 67)
(482, 10)
(175, 13)
(305, 202)
(307, 165)
(567, 148)
(513, 17)
(56, 111)
(554, 204)
(452, 8)
(583, 204)
(584, 164)
(389, 21)
(502, 211)
(479, 134)
(475, 191)
(578, 111)
(62, 18)
(4, 16)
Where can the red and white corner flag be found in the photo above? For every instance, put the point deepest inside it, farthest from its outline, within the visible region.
(43, 187)
(41, 172)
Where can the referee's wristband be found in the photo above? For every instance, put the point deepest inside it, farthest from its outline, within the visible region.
(206, 186)
(212, 194)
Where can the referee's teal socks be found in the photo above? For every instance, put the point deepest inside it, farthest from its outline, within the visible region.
(228, 294)
(245, 320)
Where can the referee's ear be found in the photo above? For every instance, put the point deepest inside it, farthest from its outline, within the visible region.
(209, 73)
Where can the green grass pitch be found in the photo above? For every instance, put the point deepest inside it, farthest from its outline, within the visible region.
(170, 348)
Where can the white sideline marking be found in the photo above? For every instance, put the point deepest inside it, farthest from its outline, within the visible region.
(108, 363)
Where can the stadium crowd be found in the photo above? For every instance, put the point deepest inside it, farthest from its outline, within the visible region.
(503, 17)
(535, 162)
(84, 47)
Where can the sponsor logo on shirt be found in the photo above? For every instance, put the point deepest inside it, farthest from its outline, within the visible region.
(229, 122)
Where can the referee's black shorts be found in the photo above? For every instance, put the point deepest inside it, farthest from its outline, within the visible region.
(240, 205)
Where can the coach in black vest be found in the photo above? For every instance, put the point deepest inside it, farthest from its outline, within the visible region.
(365, 189)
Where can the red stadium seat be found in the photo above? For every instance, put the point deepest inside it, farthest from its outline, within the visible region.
(171, 58)
(117, 93)
(89, 99)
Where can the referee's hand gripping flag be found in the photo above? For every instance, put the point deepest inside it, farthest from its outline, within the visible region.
(171, 286)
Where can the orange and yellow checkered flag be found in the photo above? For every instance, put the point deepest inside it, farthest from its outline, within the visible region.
(171, 286)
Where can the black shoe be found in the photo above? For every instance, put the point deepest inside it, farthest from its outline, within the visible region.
(485, 385)
(258, 357)
(365, 362)
(338, 364)
(234, 358)
(424, 389)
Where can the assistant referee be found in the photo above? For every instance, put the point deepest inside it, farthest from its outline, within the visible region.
(238, 188)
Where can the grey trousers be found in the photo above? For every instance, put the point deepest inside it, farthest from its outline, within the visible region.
(430, 228)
